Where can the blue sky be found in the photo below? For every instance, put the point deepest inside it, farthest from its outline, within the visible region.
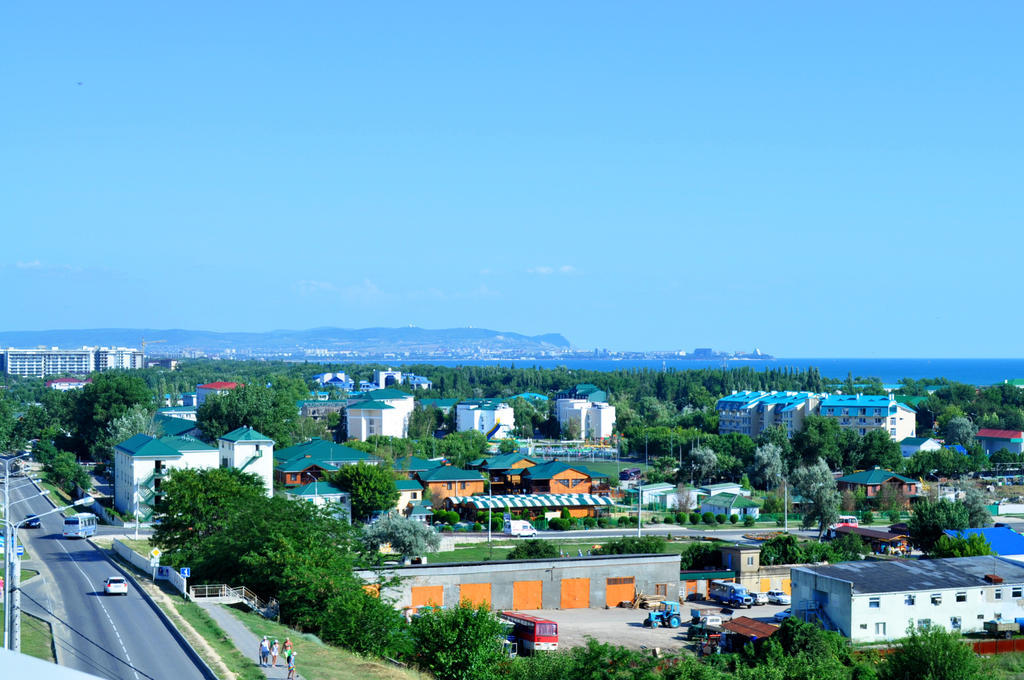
(812, 179)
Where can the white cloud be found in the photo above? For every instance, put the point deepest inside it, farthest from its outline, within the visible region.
(307, 287)
(567, 269)
(543, 270)
(34, 264)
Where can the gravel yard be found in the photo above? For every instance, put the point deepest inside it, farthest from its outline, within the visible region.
(625, 626)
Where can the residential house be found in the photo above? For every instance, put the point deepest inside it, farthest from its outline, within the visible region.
(555, 477)
(409, 492)
(418, 382)
(203, 392)
(65, 384)
(420, 511)
(388, 378)
(584, 410)
(410, 466)
(875, 601)
(997, 440)
(381, 411)
(445, 481)
(175, 426)
(249, 451)
(723, 487)
(880, 541)
(730, 504)
(320, 409)
(142, 462)
(872, 481)
(492, 417)
(863, 413)
(504, 471)
(339, 381)
(321, 494)
(310, 461)
(911, 445)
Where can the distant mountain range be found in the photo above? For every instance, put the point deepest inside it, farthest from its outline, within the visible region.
(370, 341)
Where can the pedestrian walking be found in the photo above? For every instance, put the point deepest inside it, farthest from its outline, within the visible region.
(274, 649)
(291, 666)
(264, 651)
(287, 646)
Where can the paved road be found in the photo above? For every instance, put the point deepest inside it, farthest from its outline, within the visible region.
(121, 637)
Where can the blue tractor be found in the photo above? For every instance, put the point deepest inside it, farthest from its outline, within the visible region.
(667, 616)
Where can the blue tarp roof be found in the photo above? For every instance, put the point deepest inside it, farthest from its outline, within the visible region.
(1004, 540)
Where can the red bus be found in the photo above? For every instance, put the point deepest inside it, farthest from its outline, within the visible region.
(532, 633)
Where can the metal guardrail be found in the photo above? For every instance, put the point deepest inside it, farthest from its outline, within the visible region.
(234, 594)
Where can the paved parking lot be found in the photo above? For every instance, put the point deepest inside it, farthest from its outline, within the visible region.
(625, 626)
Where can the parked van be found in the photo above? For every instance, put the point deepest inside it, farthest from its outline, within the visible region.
(518, 527)
(630, 474)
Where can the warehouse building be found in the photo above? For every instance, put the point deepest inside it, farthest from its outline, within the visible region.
(562, 583)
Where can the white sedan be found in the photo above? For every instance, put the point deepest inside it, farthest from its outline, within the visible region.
(115, 585)
(783, 615)
(778, 597)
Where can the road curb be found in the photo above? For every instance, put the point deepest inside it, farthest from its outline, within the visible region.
(192, 653)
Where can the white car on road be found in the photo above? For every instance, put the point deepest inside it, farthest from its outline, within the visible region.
(778, 597)
(115, 585)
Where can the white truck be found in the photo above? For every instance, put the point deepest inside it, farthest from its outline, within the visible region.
(518, 528)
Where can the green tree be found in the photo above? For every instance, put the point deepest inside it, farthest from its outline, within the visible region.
(960, 430)
(930, 518)
(197, 504)
(532, 549)
(703, 461)
(462, 643)
(931, 654)
(508, 446)
(270, 411)
(405, 536)
(783, 549)
(136, 420)
(769, 467)
(819, 438)
(816, 484)
(878, 448)
(65, 471)
(110, 395)
(961, 546)
(978, 515)
(632, 545)
(372, 487)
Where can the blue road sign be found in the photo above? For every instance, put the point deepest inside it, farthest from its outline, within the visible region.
(186, 572)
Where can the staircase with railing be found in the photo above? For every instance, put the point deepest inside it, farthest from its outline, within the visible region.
(225, 594)
(812, 611)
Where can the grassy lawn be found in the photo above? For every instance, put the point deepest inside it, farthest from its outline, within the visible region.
(140, 545)
(500, 548)
(57, 494)
(314, 659)
(36, 637)
(241, 665)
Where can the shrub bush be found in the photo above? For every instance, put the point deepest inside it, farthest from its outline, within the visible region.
(681, 518)
(749, 521)
(867, 517)
(604, 522)
(669, 519)
(720, 518)
(478, 527)
(623, 521)
(694, 518)
(589, 522)
(734, 518)
(559, 524)
(708, 518)
(653, 520)
(540, 524)
(446, 529)
(565, 514)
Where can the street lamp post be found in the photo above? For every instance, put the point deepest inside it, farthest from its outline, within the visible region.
(12, 590)
(7, 541)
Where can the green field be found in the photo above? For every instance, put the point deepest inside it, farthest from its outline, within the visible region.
(501, 547)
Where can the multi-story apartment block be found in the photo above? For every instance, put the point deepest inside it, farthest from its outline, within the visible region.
(493, 417)
(41, 362)
(383, 412)
(863, 413)
(584, 409)
(751, 413)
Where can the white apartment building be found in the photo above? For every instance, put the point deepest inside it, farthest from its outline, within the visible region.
(751, 412)
(863, 413)
(381, 412)
(592, 419)
(493, 417)
(41, 362)
(142, 462)
(876, 601)
(249, 451)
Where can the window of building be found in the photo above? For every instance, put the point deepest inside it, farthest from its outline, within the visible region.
(414, 494)
(880, 628)
(660, 589)
(1016, 592)
(954, 622)
(961, 596)
(750, 560)
(998, 593)
(863, 626)
(874, 602)
(911, 600)
(462, 485)
(936, 598)
(448, 485)
(862, 431)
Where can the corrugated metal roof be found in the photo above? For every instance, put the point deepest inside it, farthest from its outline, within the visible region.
(901, 576)
(532, 500)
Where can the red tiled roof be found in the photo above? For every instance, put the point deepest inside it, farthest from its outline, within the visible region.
(749, 627)
(219, 386)
(1000, 434)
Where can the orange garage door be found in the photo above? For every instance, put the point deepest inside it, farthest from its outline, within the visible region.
(477, 593)
(785, 586)
(575, 593)
(618, 590)
(527, 595)
(424, 595)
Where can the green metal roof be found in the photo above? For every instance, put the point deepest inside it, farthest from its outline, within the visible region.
(386, 393)
(415, 464)
(246, 434)
(729, 500)
(189, 444)
(533, 500)
(504, 462)
(447, 473)
(370, 405)
(144, 446)
(550, 469)
(173, 426)
(319, 452)
(439, 403)
(408, 485)
(875, 475)
(316, 489)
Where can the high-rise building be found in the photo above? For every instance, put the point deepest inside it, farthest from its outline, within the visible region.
(42, 362)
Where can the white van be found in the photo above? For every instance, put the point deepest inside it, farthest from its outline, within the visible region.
(518, 527)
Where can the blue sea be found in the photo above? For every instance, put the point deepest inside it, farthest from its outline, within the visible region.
(971, 371)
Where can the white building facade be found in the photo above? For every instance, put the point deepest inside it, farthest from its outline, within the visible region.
(591, 419)
(249, 451)
(142, 462)
(492, 417)
(381, 412)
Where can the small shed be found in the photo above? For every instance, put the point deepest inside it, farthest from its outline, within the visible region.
(742, 630)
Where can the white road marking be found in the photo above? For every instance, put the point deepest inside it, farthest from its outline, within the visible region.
(104, 608)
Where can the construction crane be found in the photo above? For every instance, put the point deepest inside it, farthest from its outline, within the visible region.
(143, 342)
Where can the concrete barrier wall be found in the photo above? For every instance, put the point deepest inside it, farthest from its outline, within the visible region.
(133, 558)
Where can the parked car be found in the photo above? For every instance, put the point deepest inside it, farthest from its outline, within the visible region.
(760, 598)
(778, 597)
(115, 585)
(32, 522)
(783, 615)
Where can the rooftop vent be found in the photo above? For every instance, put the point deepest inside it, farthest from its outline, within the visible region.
(993, 578)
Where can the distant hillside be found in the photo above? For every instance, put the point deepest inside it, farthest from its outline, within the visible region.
(364, 340)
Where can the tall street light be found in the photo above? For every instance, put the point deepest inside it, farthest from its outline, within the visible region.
(12, 590)
(7, 539)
